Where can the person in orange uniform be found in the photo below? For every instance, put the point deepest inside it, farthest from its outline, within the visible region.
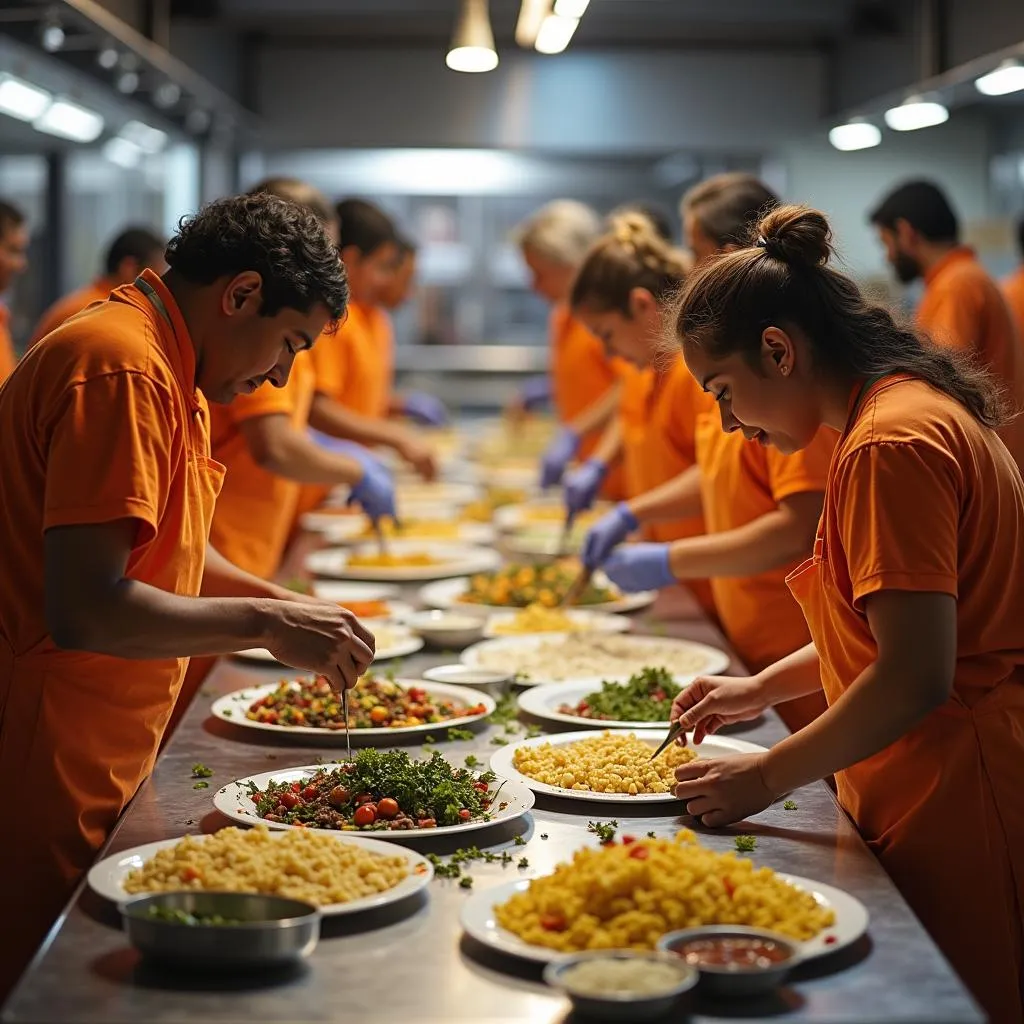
(918, 644)
(107, 490)
(127, 256)
(399, 287)
(583, 381)
(1013, 286)
(760, 507)
(13, 261)
(962, 306)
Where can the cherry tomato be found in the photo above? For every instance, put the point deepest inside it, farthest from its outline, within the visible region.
(465, 814)
(339, 796)
(387, 808)
(416, 693)
(310, 793)
(290, 800)
(363, 798)
(365, 815)
(481, 787)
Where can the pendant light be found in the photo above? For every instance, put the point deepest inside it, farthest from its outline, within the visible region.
(472, 48)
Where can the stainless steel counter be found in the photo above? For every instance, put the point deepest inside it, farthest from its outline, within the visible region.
(412, 963)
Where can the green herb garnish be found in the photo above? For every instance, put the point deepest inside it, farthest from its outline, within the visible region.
(605, 831)
(499, 741)
(646, 697)
(506, 711)
(472, 761)
(174, 916)
(459, 734)
(200, 771)
(543, 835)
(651, 835)
(201, 785)
(519, 841)
(746, 844)
(465, 882)
(523, 863)
(532, 731)
(789, 805)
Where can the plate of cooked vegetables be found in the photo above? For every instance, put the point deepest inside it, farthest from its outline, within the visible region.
(543, 919)
(391, 642)
(536, 618)
(611, 766)
(381, 793)
(521, 585)
(401, 561)
(338, 873)
(377, 706)
(643, 701)
(448, 530)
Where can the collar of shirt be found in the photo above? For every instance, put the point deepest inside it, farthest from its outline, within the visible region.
(956, 255)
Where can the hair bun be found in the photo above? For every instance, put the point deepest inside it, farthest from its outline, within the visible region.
(795, 235)
(633, 228)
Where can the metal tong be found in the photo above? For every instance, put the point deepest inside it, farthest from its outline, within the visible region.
(673, 734)
(348, 735)
(576, 588)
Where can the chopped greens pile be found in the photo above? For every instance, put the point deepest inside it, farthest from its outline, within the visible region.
(646, 697)
(175, 916)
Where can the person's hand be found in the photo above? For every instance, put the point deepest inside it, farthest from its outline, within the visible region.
(710, 702)
(375, 491)
(719, 791)
(420, 456)
(636, 567)
(320, 637)
(608, 532)
(558, 455)
(424, 408)
(582, 484)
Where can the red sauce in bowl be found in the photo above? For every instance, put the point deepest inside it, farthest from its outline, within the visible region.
(736, 953)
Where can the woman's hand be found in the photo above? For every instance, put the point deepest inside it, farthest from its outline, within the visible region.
(710, 702)
(719, 791)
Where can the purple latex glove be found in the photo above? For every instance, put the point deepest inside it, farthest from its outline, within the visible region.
(342, 447)
(536, 391)
(424, 408)
(375, 492)
(636, 567)
(582, 484)
(559, 454)
(609, 531)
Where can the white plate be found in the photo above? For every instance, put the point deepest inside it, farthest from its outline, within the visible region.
(502, 764)
(340, 525)
(344, 590)
(466, 533)
(399, 643)
(478, 920)
(440, 492)
(590, 622)
(515, 517)
(446, 594)
(234, 800)
(452, 560)
(233, 706)
(544, 701)
(508, 647)
(107, 877)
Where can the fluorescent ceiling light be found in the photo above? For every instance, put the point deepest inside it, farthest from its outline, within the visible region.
(21, 100)
(531, 14)
(571, 8)
(70, 121)
(472, 48)
(107, 58)
(1008, 77)
(52, 37)
(122, 152)
(916, 113)
(555, 33)
(855, 135)
(149, 140)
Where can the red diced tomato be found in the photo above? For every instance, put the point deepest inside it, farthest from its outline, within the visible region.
(481, 787)
(465, 814)
(296, 787)
(639, 853)
(426, 823)
(290, 800)
(628, 840)
(830, 940)
(190, 874)
(310, 793)
(363, 798)
(552, 922)
(729, 887)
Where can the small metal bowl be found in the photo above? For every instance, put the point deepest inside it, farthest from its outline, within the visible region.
(735, 980)
(464, 675)
(446, 629)
(272, 931)
(629, 1006)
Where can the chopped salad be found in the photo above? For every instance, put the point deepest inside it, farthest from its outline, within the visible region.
(646, 697)
(517, 586)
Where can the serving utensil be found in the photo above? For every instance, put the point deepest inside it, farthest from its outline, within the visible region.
(673, 733)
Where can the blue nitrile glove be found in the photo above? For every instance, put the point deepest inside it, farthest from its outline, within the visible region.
(559, 454)
(610, 530)
(340, 446)
(636, 567)
(535, 391)
(423, 408)
(582, 484)
(375, 492)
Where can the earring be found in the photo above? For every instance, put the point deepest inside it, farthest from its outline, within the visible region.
(785, 371)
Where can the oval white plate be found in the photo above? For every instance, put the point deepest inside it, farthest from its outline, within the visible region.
(452, 560)
(478, 920)
(508, 646)
(345, 590)
(107, 877)
(401, 643)
(543, 702)
(233, 706)
(591, 622)
(234, 801)
(342, 525)
(440, 492)
(514, 517)
(446, 594)
(502, 764)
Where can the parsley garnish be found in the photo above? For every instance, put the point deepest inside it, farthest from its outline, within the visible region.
(459, 734)
(201, 785)
(472, 761)
(499, 741)
(789, 805)
(519, 841)
(746, 844)
(200, 771)
(523, 863)
(465, 882)
(651, 835)
(604, 831)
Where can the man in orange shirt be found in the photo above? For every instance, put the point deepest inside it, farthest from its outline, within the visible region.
(1013, 286)
(13, 261)
(107, 490)
(127, 256)
(962, 307)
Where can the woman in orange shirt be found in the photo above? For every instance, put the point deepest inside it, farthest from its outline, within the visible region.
(13, 246)
(918, 643)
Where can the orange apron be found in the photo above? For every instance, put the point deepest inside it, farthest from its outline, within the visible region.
(941, 806)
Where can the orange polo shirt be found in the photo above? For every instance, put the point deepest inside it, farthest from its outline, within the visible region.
(8, 360)
(256, 508)
(741, 481)
(1013, 292)
(101, 423)
(962, 307)
(63, 309)
(353, 366)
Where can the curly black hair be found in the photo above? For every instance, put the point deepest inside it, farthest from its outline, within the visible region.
(282, 241)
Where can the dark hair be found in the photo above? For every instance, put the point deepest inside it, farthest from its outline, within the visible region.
(783, 279)
(725, 206)
(924, 206)
(283, 242)
(132, 243)
(406, 246)
(297, 191)
(364, 225)
(632, 255)
(10, 217)
(660, 220)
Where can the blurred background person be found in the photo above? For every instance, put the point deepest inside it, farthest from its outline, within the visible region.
(13, 261)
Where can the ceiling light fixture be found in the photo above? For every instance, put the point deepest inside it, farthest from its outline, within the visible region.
(128, 82)
(916, 112)
(571, 8)
(166, 95)
(1007, 78)
(107, 58)
(197, 121)
(51, 36)
(122, 152)
(555, 33)
(531, 15)
(472, 48)
(855, 135)
(148, 139)
(21, 100)
(69, 121)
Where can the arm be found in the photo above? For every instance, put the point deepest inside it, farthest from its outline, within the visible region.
(776, 538)
(678, 498)
(609, 448)
(279, 448)
(598, 414)
(222, 578)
